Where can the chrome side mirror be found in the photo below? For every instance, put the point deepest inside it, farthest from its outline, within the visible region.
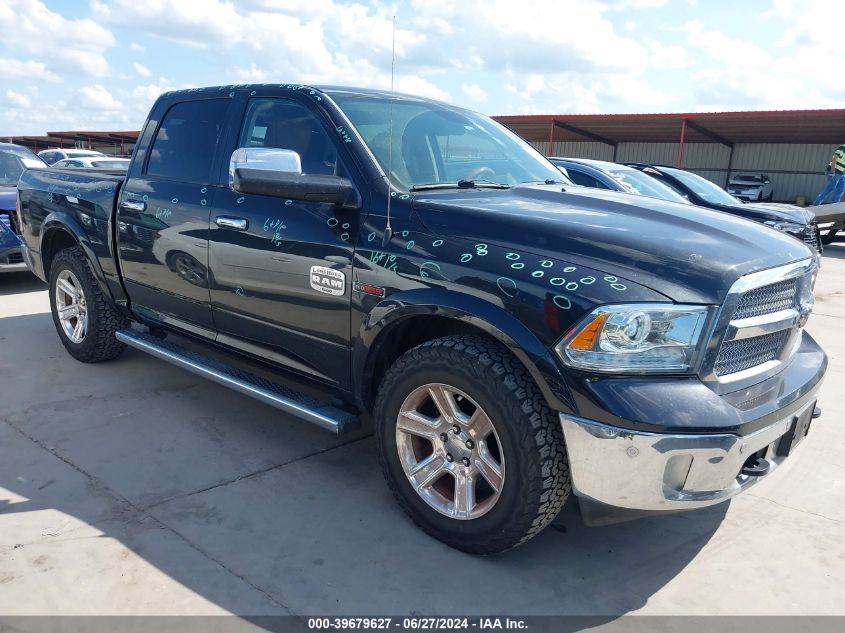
(264, 159)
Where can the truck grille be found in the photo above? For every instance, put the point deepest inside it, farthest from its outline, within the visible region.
(761, 322)
(746, 353)
(767, 300)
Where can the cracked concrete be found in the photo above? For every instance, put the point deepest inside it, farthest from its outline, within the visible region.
(136, 488)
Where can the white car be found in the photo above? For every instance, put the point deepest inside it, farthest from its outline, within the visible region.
(756, 187)
(56, 154)
(94, 162)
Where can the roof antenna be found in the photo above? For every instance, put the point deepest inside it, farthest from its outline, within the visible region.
(388, 231)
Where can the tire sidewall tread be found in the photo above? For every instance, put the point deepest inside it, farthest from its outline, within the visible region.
(537, 480)
(104, 320)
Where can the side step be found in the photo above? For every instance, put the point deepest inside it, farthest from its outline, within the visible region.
(288, 400)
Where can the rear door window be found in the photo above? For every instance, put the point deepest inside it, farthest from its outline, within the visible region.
(184, 146)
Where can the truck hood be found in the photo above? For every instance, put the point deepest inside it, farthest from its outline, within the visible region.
(687, 253)
(791, 212)
(768, 212)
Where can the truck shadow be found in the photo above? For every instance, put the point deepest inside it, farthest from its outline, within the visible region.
(836, 250)
(15, 283)
(258, 513)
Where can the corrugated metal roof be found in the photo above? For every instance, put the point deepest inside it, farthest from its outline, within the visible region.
(772, 126)
(73, 138)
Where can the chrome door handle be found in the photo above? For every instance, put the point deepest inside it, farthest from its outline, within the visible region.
(132, 205)
(228, 222)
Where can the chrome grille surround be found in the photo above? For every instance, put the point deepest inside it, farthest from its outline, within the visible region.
(759, 326)
(811, 237)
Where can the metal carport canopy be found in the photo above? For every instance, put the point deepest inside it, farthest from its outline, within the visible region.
(728, 128)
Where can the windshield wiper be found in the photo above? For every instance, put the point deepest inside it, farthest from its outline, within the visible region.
(462, 184)
(547, 181)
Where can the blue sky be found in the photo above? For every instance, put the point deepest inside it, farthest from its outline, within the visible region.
(68, 64)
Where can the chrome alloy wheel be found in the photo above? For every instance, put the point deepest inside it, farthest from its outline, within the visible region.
(450, 451)
(70, 306)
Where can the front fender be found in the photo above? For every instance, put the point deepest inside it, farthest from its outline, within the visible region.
(474, 311)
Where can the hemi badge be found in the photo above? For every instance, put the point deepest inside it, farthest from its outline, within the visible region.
(368, 289)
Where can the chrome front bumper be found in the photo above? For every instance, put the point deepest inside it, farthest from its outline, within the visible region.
(655, 472)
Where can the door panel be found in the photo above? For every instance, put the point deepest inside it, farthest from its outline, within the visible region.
(163, 215)
(163, 248)
(262, 296)
(262, 290)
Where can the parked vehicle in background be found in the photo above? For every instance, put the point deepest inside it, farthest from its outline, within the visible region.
(756, 187)
(513, 341)
(11, 251)
(28, 158)
(51, 156)
(93, 162)
(14, 160)
(599, 174)
(791, 219)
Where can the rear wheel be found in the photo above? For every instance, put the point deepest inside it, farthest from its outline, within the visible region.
(469, 446)
(85, 319)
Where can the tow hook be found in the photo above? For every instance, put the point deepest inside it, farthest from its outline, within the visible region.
(756, 466)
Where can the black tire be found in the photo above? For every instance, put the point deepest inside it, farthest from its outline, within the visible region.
(99, 343)
(537, 481)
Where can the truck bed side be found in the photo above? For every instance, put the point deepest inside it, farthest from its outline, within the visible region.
(62, 208)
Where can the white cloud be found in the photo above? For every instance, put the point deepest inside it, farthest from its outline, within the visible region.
(667, 57)
(97, 97)
(421, 87)
(496, 55)
(30, 70)
(474, 92)
(17, 100)
(624, 5)
(74, 45)
(741, 74)
(142, 70)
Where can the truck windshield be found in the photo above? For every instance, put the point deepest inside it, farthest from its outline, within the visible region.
(703, 188)
(637, 182)
(11, 168)
(433, 143)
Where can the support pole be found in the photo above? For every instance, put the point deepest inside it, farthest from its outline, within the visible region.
(730, 165)
(551, 137)
(681, 144)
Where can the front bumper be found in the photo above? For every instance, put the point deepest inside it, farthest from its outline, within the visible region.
(681, 446)
(656, 472)
(751, 194)
(12, 259)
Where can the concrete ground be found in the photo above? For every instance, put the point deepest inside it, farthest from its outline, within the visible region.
(134, 487)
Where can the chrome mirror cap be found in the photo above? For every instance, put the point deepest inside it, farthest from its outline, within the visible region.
(264, 159)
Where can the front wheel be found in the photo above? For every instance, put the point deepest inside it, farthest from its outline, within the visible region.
(85, 319)
(469, 446)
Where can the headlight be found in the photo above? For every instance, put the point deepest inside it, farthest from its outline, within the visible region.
(786, 227)
(635, 338)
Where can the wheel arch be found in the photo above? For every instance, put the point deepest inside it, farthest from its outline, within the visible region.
(60, 231)
(407, 319)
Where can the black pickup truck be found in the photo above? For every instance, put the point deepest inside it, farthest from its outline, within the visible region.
(514, 338)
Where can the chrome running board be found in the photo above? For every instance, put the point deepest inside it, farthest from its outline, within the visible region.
(287, 400)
